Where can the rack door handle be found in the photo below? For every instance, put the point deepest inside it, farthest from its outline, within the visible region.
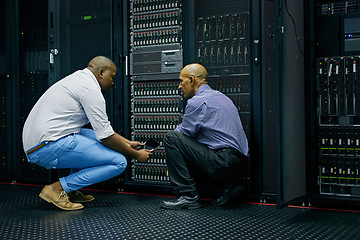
(256, 51)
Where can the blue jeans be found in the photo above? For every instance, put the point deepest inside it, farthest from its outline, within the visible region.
(91, 162)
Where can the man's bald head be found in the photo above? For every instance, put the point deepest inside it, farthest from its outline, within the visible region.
(104, 71)
(101, 62)
(192, 76)
(197, 71)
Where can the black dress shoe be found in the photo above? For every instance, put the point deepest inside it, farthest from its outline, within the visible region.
(230, 194)
(183, 202)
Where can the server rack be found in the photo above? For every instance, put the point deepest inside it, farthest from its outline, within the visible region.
(32, 82)
(316, 76)
(156, 58)
(222, 46)
(336, 68)
(331, 136)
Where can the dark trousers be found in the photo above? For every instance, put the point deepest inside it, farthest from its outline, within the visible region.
(187, 159)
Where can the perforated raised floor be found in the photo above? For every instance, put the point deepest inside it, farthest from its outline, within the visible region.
(112, 215)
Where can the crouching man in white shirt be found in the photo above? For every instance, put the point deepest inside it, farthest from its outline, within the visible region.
(53, 136)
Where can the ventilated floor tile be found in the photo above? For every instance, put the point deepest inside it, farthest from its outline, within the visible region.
(23, 215)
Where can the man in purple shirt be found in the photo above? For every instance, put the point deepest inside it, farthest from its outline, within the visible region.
(210, 141)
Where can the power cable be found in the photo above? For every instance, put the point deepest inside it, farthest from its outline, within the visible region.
(293, 21)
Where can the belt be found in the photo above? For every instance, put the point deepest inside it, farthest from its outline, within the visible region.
(36, 148)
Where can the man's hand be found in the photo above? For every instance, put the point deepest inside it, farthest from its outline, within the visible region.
(143, 155)
(136, 145)
(130, 148)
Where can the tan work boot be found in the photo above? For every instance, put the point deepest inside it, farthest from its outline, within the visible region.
(61, 200)
(78, 197)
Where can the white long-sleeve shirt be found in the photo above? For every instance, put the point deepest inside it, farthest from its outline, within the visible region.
(65, 107)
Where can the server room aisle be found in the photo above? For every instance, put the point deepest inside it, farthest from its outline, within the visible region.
(23, 215)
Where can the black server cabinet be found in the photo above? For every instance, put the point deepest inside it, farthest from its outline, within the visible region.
(155, 60)
(335, 73)
(24, 74)
(326, 142)
(222, 46)
(32, 81)
(233, 40)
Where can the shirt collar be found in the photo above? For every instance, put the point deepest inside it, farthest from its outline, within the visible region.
(90, 74)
